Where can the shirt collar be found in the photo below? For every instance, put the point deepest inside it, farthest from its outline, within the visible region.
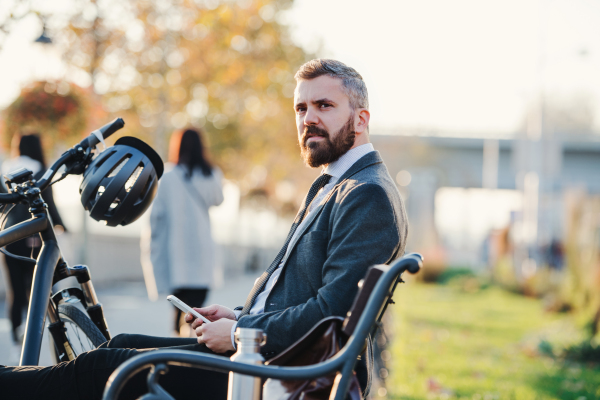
(337, 168)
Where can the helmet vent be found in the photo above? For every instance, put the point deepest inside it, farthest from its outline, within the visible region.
(133, 178)
(99, 193)
(116, 169)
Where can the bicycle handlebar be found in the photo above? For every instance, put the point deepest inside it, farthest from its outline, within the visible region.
(9, 198)
(89, 142)
(102, 133)
(45, 180)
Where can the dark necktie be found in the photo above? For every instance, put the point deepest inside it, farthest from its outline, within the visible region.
(260, 283)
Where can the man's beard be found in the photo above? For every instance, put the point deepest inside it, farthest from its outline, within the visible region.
(326, 151)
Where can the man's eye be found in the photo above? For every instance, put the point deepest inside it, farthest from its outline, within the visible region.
(325, 105)
(300, 109)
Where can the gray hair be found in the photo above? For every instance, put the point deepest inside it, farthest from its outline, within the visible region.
(352, 83)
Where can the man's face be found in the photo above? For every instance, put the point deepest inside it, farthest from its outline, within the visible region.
(325, 120)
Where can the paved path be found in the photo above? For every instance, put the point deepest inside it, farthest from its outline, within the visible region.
(128, 310)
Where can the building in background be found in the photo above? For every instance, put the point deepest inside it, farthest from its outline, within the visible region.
(460, 192)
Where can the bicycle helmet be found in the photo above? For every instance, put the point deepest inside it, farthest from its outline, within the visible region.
(121, 182)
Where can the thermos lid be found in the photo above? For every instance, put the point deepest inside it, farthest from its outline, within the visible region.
(249, 335)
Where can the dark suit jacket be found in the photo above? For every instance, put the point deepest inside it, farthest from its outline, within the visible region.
(360, 223)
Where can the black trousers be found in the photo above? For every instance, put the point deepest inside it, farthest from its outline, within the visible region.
(85, 377)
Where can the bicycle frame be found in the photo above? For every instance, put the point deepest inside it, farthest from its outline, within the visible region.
(42, 280)
(50, 267)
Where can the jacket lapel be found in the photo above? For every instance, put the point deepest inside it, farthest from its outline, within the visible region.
(365, 161)
(310, 218)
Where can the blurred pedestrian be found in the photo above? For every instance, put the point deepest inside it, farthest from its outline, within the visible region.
(26, 152)
(179, 251)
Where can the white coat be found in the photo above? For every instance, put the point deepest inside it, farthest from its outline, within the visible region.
(180, 245)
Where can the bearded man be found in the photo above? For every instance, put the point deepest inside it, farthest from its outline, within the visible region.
(352, 218)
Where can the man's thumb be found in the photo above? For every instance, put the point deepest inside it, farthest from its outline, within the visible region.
(210, 310)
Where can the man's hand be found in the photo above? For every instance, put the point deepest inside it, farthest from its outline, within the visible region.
(216, 335)
(212, 313)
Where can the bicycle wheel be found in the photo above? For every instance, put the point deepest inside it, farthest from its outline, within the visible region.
(82, 334)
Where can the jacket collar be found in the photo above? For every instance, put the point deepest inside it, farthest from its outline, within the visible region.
(365, 161)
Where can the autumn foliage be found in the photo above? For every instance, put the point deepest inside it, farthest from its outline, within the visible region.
(225, 67)
(58, 113)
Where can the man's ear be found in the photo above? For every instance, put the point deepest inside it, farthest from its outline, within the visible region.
(361, 122)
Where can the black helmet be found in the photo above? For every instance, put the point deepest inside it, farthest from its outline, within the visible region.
(121, 182)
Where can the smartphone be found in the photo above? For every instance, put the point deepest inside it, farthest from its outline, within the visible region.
(185, 308)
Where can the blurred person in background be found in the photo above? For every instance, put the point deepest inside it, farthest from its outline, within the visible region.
(26, 152)
(178, 251)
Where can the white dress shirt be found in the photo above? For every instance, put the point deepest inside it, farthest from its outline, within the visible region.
(336, 169)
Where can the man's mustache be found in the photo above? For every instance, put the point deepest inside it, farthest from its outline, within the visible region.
(312, 131)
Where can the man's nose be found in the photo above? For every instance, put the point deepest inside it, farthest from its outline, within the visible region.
(311, 118)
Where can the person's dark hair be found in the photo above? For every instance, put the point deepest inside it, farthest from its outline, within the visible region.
(190, 154)
(31, 146)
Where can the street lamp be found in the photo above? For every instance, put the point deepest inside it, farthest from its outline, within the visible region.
(44, 38)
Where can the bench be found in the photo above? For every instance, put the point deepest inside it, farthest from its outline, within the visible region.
(363, 319)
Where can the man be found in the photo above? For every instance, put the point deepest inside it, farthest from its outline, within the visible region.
(352, 218)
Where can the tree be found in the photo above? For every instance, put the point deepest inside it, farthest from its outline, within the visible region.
(226, 67)
(11, 12)
(56, 111)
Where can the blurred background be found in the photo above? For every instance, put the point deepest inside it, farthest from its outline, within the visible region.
(487, 114)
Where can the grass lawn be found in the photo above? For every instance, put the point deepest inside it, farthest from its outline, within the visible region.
(450, 344)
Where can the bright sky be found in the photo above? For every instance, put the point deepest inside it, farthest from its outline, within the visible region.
(461, 65)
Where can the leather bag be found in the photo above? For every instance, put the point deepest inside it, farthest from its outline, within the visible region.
(322, 342)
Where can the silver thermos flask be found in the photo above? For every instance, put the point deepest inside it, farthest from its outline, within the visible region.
(244, 387)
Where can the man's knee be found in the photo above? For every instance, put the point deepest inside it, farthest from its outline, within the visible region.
(121, 341)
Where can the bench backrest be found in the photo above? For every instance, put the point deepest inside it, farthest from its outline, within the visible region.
(366, 287)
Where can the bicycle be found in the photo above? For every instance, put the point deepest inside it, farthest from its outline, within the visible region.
(111, 180)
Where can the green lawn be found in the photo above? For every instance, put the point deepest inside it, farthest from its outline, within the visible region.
(449, 344)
